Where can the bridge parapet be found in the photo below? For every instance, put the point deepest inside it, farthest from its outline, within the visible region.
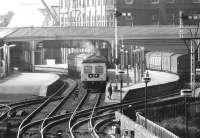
(129, 125)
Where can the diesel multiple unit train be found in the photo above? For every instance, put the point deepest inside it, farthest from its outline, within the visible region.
(169, 62)
(94, 72)
(91, 68)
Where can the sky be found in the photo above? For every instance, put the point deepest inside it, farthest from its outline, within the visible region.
(13, 5)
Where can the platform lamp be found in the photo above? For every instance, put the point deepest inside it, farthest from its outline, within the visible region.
(121, 85)
(146, 79)
(127, 67)
(122, 56)
(186, 93)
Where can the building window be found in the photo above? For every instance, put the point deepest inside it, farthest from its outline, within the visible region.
(171, 19)
(67, 4)
(88, 3)
(74, 4)
(84, 3)
(79, 2)
(154, 1)
(195, 1)
(154, 19)
(99, 2)
(92, 2)
(128, 1)
(171, 1)
(109, 2)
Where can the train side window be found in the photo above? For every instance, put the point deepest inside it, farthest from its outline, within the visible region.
(87, 69)
(99, 69)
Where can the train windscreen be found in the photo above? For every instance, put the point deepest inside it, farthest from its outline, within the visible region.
(99, 69)
(87, 69)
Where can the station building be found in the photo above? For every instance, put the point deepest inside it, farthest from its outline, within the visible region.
(156, 12)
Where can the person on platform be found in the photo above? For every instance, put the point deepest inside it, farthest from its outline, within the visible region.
(110, 91)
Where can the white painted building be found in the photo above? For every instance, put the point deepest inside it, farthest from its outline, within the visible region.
(86, 12)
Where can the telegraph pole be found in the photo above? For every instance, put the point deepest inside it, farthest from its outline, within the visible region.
(116, 51)
(194, 45)
(193, 68)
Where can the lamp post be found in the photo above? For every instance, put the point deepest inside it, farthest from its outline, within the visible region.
(186, 93)
(142, 61)
(122, 53)
(127, 67)
(146, 79)
(116, 52)
(121, 57)
(121, 85)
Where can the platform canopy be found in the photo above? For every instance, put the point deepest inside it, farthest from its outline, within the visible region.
(5, 31)
(103, 33)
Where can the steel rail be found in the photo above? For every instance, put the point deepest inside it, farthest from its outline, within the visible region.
(88, 118)
(74, 113)
(93, 113)
(66, 117)
(99, 124)
(23, 123)
(55, 110)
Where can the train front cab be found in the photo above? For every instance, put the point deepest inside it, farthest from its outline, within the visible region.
(93, 76)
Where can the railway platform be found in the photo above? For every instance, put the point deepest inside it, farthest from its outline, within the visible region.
(20, 85)
(157, 78)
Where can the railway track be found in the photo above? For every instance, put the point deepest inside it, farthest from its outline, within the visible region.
(76, 122)
(103, 122)
(8, 110)
(30, 122)
(56, 117)
(51, 128)
(66, 106)
(27, 107)
(101, 114)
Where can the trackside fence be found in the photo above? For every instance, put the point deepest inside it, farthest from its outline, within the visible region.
(154, 128)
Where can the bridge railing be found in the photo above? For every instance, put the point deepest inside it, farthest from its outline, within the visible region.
(154, 128)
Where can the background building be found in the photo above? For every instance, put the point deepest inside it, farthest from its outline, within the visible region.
(86, 12)
(156, 12)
